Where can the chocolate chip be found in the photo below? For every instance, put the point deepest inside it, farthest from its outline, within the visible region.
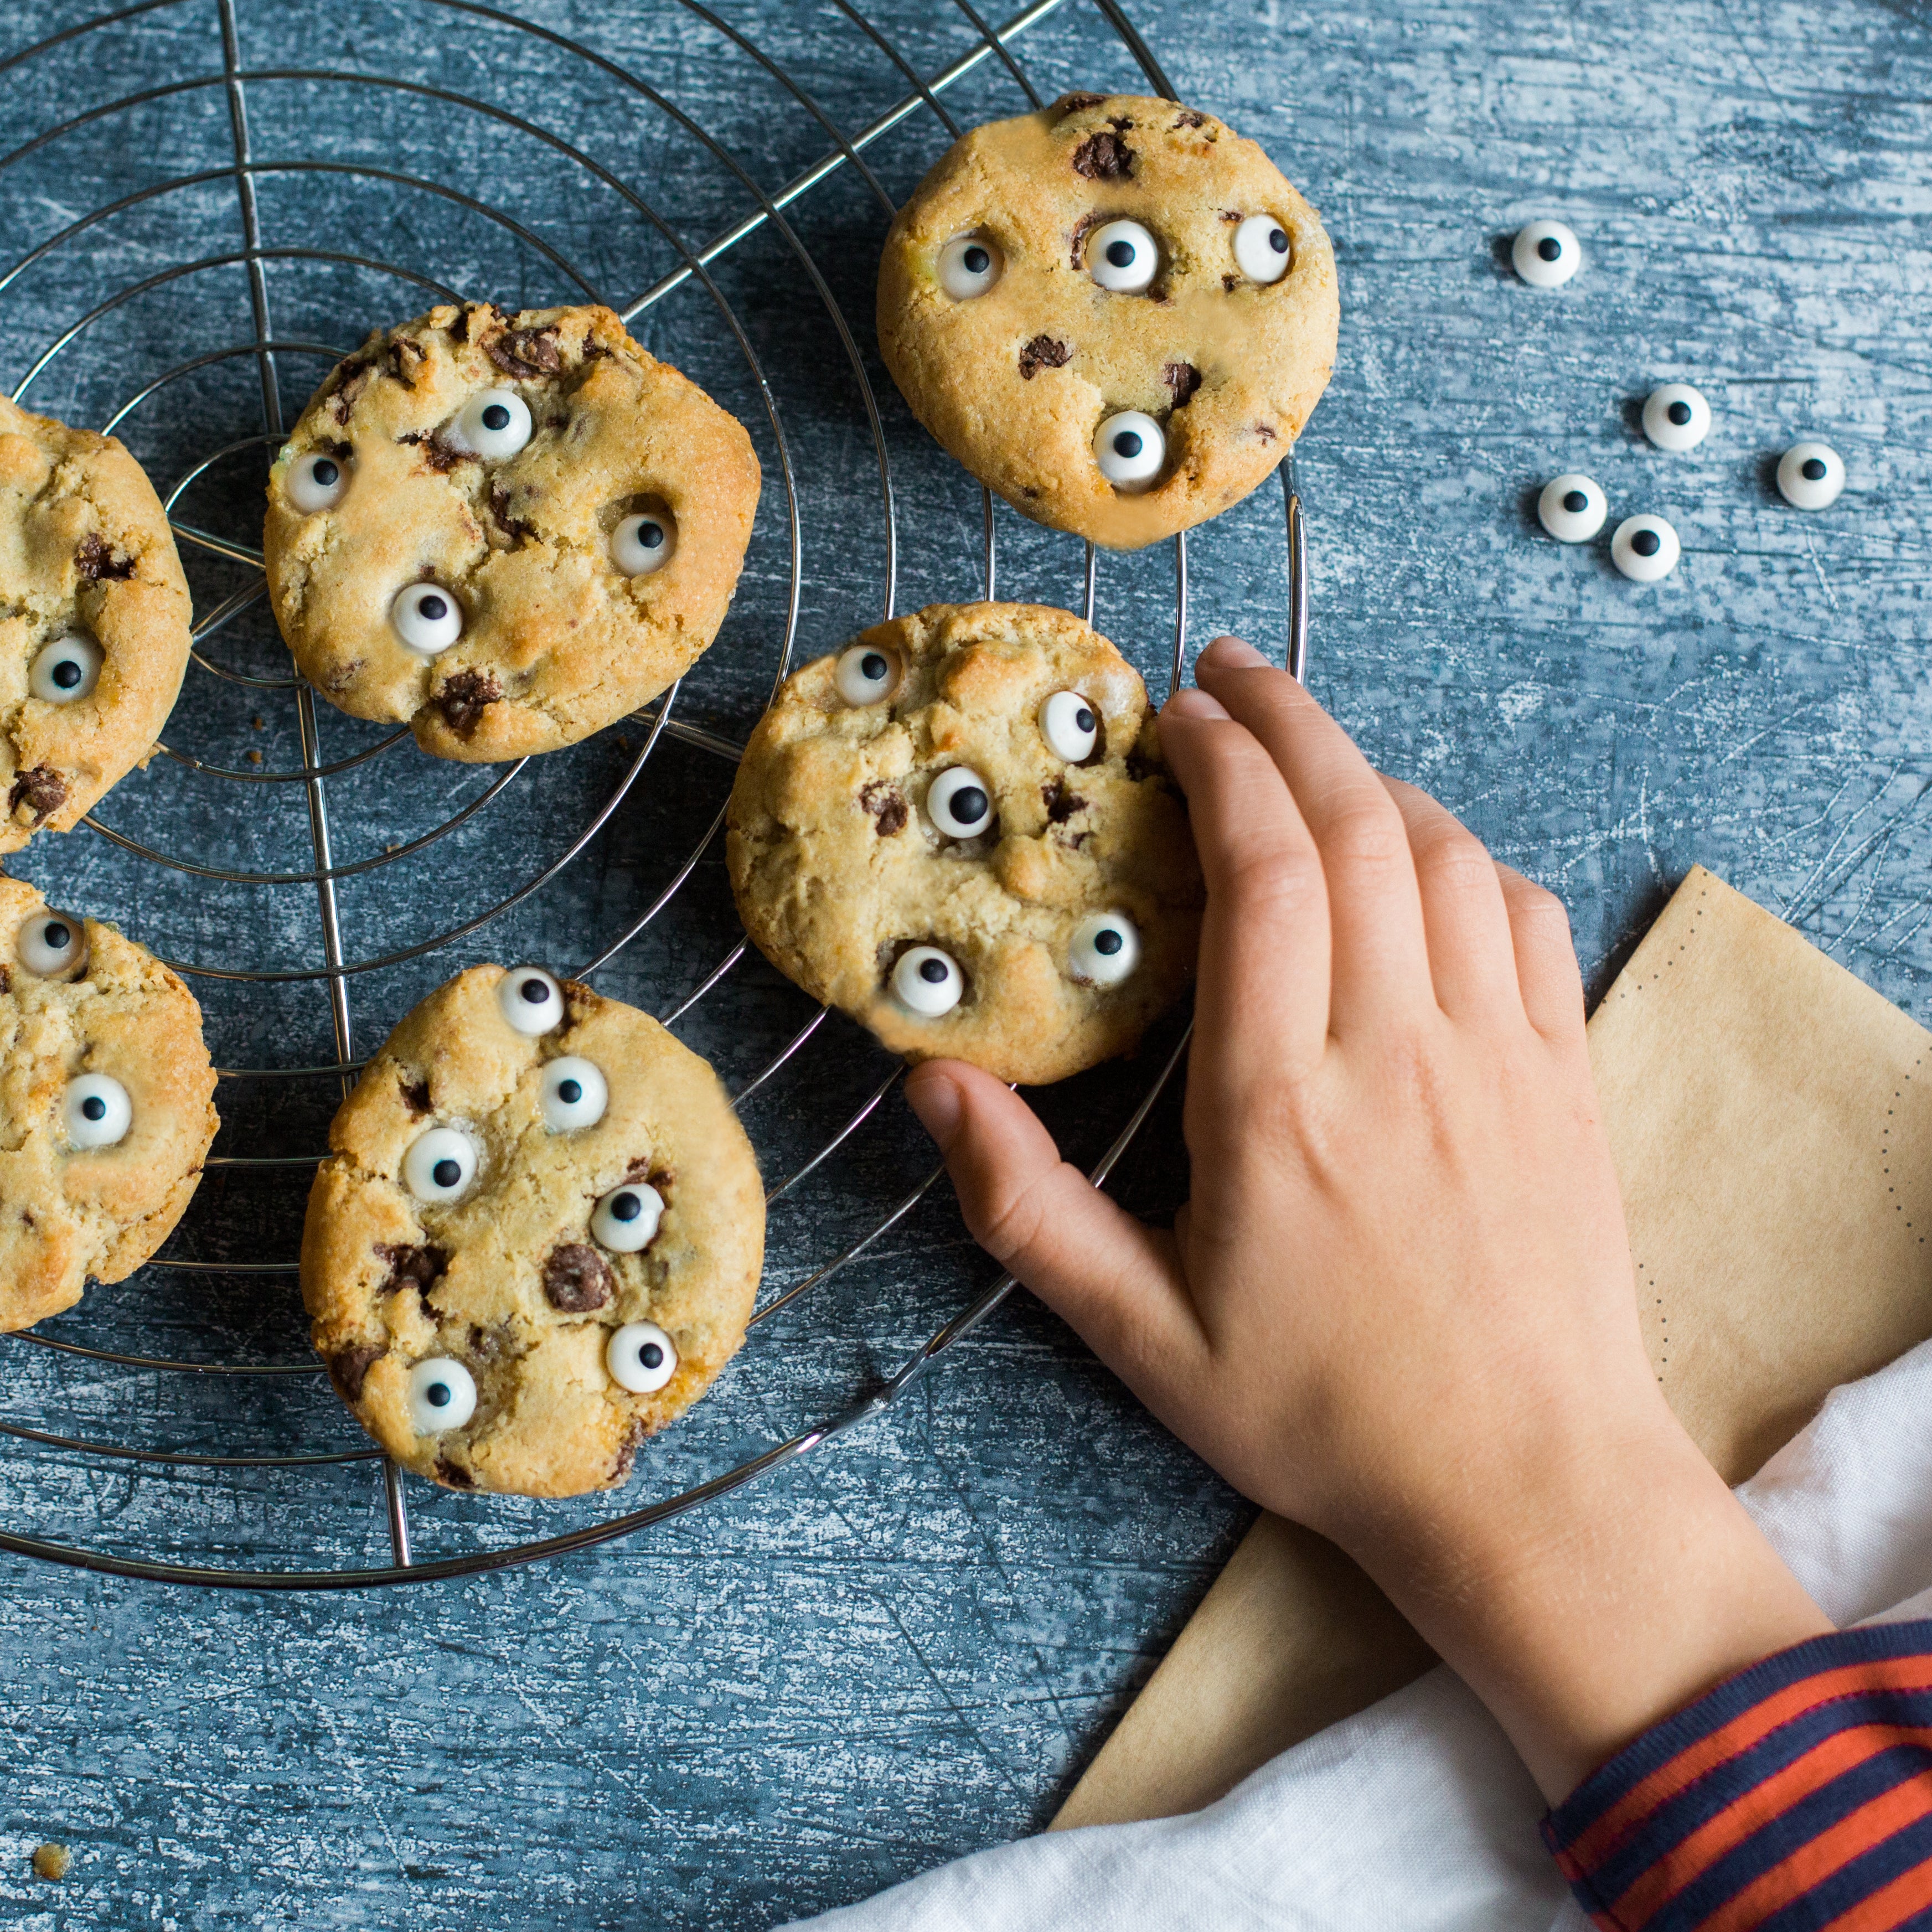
(1265, 431)
(1230, 282)
(1183, 378)
(404, 358)
(447, 1471)
(35, 793)
(1103, 157)
(349, 1367)
(1043, 353)
(886, 803)
(7, 986)
(465, 697)
(525, 352)
(1076, 244)
(1119, 121)
(419, 1268)
(577, 1279)
(415, 1095)
(1138, 767)
(1062, 800)
(438, 456)
(1188, 118)
(95, 559)
(1072, 103)
(513, 527)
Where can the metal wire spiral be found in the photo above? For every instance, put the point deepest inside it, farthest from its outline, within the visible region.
(338, 967)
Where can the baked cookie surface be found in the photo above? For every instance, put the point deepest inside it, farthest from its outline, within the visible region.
(106, 1108)
(94, 619)
(1114, 312)
(536, 1237)
(959, 831)
(505, 531)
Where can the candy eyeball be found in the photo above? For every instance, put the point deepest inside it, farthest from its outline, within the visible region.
(1070, 726)
(865, 673)
(68, 669)
(530, 999)
(969, 265)
(1262, 250)
(960, 803)
(1810, 475)
(1645, 548)
(641, 1357)
(1546, 254)
(53, 945)
(440, 1165)
(1105, 949)
(96, 1111)
(494, 423)
(317, 482)
(1122, 257)
(626, 1219)
(574, 1093)
(1130, 449)
(428, 619)
(442, 1395)
(645, 542)
(928, 982)
(1676, 417)
(1572, 508)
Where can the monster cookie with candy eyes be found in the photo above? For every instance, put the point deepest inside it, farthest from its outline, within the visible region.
(959, 830)
(1114, 312)
(505, 531)
(105, 1112)
(94, 622)
(536, 1238)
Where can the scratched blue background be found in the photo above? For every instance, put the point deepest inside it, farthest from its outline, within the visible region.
(907, 1646)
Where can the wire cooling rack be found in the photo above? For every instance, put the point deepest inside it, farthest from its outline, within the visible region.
(214, 502)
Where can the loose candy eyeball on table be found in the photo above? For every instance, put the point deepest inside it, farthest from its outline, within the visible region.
(1122, 257)
(645, 542)
(1130, 448)
(426, 618)
(968, 266)
(641, 1357)
(442, 1395)
(1645, 548)
(1262, 250)
(530, 999)
(928, 982)
(1572, 508)
(1676, 417)
(1810, 475)
(53, 945)
(65, 670)
(625, 1220)
(317, 482)
(440, 1164)
(1546, 254)
(865, 674)
(96, 1111)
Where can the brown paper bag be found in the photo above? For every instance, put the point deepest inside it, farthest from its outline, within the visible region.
(1770, 1119)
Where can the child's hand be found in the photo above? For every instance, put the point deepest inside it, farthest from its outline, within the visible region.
(1399, 1306)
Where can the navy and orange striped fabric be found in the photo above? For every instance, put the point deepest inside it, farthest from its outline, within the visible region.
(1796, 1795)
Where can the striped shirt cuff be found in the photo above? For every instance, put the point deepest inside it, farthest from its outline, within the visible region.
(1796, 1794)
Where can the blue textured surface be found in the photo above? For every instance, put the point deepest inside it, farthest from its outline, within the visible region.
(905, 1648)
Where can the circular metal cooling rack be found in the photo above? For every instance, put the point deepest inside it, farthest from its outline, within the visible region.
(205, 489)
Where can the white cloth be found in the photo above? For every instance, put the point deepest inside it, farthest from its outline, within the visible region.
(1416, 1816)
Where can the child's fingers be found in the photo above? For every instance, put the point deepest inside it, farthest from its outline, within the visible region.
(1545, 958)
(1087, 1258)
(1379, 958)
(1265, 939)
(1472, 956)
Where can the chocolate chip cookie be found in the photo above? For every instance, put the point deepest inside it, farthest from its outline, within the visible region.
(93, 621)
(1114, 312)
(959, 830)
(535, 1239)
(505, 531)
(106, 1104)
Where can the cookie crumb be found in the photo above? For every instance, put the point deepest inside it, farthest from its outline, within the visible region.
(1043, 353)
(51, 1862)
(258, 724)
(254, 756)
